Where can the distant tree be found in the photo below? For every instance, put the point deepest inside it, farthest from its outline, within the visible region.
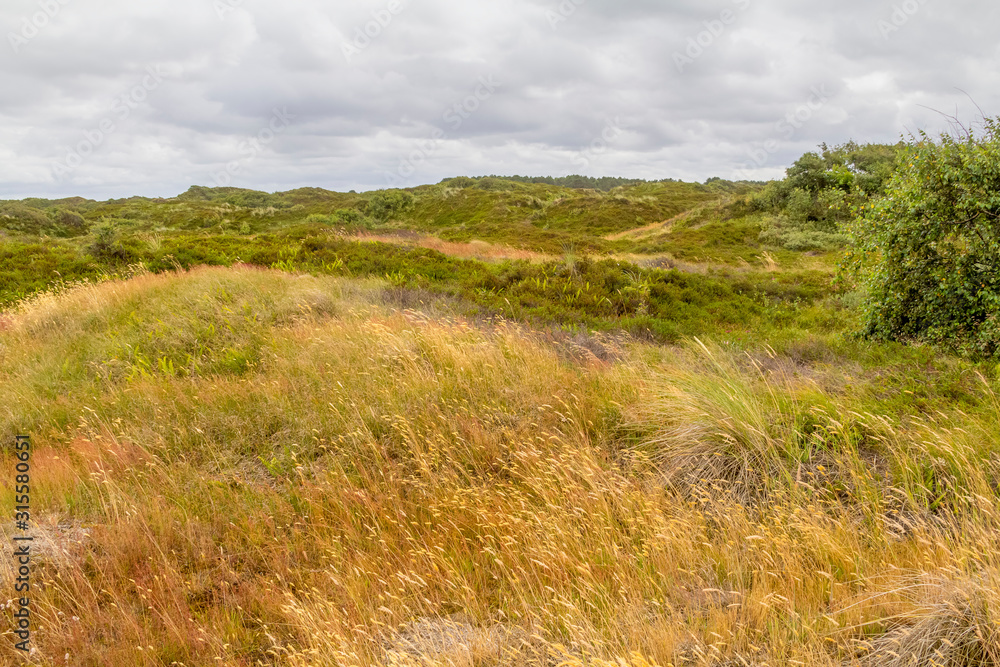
(928, 252)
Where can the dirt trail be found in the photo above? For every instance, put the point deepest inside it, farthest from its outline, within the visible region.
(639, 232)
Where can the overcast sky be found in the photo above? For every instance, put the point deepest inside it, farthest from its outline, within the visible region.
(114, 98)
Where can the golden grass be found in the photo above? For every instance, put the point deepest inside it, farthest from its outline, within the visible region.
(317, 479)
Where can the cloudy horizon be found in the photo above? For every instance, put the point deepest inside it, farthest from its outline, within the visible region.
(150, 98)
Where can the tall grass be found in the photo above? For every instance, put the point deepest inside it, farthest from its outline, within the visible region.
(245, 467)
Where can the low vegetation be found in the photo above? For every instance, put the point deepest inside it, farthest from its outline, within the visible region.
(661, 439)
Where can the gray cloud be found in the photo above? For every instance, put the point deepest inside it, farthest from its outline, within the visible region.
(603, 87)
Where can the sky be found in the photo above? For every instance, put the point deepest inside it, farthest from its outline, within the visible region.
(113, 99)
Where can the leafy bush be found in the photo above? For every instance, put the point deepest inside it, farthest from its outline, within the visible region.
(819, 194)
(386, 204)
(928, 252)
(833, 182)
(352, 218)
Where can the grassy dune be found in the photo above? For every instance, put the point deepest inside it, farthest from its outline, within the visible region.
(243, 466)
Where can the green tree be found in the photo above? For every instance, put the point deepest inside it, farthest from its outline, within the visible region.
(928, 252)
(809, 173)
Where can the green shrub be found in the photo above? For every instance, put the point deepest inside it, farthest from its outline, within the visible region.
(110, 246)
(384, 205)
(68, 219)
(800, 204)
(928, 252)
(352, 217)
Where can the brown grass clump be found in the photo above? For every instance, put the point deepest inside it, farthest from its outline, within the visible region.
(949, 619)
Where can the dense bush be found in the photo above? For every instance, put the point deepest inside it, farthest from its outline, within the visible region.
(808, 208)
(928, 252)
(109, 245)
(384, 205)
(68, 219)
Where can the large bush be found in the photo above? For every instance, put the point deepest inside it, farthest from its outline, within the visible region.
(384, 205)
(928, 252)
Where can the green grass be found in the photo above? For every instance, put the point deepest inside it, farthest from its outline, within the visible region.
(585, 293)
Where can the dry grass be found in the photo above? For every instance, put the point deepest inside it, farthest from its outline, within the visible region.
(310, 477)
(479, 250)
